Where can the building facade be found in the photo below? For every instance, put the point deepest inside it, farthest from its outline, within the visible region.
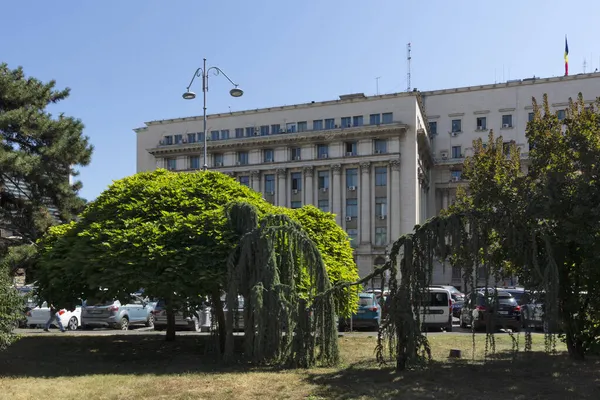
(381, 164)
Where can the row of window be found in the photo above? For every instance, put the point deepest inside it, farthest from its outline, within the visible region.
(380, 236)
(351, 207)
(481, 122)
(289, 127)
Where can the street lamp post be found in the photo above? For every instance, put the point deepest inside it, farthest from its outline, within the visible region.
(188, 95)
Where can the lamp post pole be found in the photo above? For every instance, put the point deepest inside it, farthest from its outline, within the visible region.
(202, 72)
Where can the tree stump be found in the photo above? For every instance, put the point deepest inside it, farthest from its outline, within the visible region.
(455, 353)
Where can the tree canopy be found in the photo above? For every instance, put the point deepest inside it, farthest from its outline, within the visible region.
(168, 233)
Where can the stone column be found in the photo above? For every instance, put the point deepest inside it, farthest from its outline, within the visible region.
(366, 216)
(255, 180)
(308, 185)
(160, 162)
(336, 193)
(281, 189)
(395, 203)
(445, 195)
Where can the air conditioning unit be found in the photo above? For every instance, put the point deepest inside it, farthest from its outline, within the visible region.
(239, 163)
(295, 191)
(454, 134)
(184, 141)
(349, 154)
(382, 217)
(297, 158)
(323, 156)
(348, 218)
(324, 190)
(377, 151)
(505, 125)
(444, 155)
(352, 188)
(480, 128)
(218, 164)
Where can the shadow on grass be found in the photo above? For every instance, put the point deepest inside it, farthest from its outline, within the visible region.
(57, 356)
(530, 376)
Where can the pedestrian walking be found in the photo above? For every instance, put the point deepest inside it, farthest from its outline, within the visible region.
(54, 316)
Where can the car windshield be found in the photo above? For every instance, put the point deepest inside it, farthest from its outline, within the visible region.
(365, 301)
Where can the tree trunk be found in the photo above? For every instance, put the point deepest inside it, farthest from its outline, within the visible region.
(575, 346)
(220, 314)
(170, 324)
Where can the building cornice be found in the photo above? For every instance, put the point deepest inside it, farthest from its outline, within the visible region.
(312, 137)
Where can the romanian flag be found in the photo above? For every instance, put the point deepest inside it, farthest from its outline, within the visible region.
(566, 57)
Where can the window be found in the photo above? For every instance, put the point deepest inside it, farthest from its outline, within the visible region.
(387, 118)
(171, 164)
(296, 204)
(275, 128)
(456, 152)
(242, 158)
(168, 140)
(178, 139)
(329, 123)
(346, 122)
(352, 208)
(302, 126)
(481, 123)
(380, 146)
(250, 130)
(352, 177)
(317, 125)
(296, 153)
(380, 236)
(456, 175)
(194, 162)
(380, 206)
(268, 155)
(357, 120)
(270, 183)
(245, 180)
(214, 135)
(324, 205)
(350, 148)
(191, 138)
(561, 114)
(290, 127)
(380, 176)
(323, 177)
(530, 117)
(375, 119)
(218, 159)
(322, 150)
(433, 127)
(353, 236)
(224, 134)
(456, 125)
(296, 181)
(239, 132)
(507, 121)
(264, 130)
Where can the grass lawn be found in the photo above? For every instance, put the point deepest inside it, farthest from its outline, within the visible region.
(146, 367)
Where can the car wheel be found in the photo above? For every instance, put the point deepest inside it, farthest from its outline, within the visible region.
(124, 324)
(73, 324)
(150, 321)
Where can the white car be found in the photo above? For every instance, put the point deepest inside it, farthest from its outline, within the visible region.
(38, 316)
(437, 310)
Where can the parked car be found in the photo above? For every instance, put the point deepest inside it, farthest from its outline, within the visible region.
(458, 298)
(197, 320)
(498, 308)
(367, 315)
(516, 292)
(437, 309)
(532, 310)
(37, 316)
(115, 315)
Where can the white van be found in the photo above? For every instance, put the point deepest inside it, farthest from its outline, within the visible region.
(437, 310)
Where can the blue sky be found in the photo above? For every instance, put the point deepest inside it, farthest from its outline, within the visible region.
(129, 61)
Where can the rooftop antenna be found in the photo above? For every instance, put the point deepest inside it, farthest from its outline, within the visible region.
(584, 65)
(377, 85)
(408, 67)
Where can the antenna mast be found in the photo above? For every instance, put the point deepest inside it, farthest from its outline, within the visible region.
(408, 67)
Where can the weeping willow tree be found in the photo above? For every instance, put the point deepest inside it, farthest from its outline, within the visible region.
(289, 310)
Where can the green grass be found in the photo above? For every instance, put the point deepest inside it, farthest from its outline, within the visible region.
(146, 367)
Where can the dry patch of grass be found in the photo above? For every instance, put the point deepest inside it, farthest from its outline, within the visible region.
(146, 367)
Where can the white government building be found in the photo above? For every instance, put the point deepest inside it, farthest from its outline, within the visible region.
(381, 164)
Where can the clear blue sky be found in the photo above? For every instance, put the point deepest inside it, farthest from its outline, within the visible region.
(129, 61)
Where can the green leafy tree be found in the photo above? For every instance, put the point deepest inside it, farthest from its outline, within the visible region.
(37, 154)
(162, 231)
(11, 309)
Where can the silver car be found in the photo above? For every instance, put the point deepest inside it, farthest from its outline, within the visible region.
(196, 320)
(113, 314)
